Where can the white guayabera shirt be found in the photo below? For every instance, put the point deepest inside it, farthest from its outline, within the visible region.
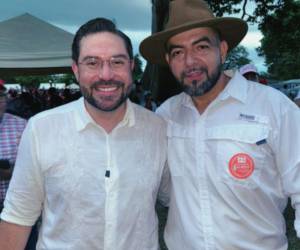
(95, 190)
(232, 169)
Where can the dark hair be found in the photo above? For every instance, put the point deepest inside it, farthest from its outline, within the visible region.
(98, 25)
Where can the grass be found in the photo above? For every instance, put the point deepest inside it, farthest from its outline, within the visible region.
(289, 214)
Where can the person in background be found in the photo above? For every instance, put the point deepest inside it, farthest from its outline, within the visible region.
(136, 94)
(249, 71)
(297, 99)
(11, 129)
(92, 167)
(53, 99)
(233, 146)
(148, 102)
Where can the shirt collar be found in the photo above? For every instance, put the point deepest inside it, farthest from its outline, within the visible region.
(83, 118)
(129, 117)
(236, 88)
(187, 101)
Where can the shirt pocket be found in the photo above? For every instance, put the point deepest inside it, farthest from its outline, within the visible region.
(180, 146)
(238, 152)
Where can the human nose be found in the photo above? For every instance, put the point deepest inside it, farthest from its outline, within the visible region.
(190, 57)
(105, 71)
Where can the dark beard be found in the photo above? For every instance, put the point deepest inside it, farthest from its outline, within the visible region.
(197, 88)
(88, 96)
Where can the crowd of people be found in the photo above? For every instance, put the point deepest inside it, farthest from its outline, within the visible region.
(223, 155)
(31, 101)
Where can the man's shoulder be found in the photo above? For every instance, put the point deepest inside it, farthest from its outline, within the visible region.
(55, 118)
(171, 104)
(57, 111)
(268, 95)
(149, 125)
(147, 117)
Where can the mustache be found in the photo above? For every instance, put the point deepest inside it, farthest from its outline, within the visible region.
(107, 83)
(185, 73)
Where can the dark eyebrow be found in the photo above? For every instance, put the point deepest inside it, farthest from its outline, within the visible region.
(120, 56)
(170, 47)
(113, 56)
(202, 39)
(89, 57)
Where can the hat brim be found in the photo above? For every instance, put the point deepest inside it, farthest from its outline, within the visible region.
(230, 29)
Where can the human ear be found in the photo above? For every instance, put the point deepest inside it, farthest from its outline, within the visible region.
(223, 50)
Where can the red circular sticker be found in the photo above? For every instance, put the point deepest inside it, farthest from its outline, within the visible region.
(241, 166)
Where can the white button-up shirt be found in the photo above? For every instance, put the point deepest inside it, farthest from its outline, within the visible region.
(232, 169)
(95, 190)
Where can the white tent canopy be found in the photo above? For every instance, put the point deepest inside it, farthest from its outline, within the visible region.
(29, 45)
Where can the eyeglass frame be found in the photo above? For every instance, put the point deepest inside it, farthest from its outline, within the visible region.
(100, 63)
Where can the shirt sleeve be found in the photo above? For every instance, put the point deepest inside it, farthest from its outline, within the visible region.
(287, 156)
(24, 198)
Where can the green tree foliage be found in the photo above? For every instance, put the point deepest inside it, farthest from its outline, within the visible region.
(65, 78)
(249, 10)
(31, 81)
(236, 58)
(281, 41)
(252, 11)
(35, 80)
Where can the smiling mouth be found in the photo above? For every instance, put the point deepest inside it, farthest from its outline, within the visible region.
(194, 77)
(106, 89)
(193, 74)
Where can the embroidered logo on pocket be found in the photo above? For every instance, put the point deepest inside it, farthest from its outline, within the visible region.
(241, 166)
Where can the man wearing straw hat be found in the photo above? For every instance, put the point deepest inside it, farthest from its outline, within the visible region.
(233, 146)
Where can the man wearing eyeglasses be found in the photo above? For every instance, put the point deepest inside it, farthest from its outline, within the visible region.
(92, 167)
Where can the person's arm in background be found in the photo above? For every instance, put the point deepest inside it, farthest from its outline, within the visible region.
(12, 236)
(23, 201)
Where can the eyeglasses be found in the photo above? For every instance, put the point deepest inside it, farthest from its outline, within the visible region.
(94, 64)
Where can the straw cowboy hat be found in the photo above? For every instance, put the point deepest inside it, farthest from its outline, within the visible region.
(188, 14)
